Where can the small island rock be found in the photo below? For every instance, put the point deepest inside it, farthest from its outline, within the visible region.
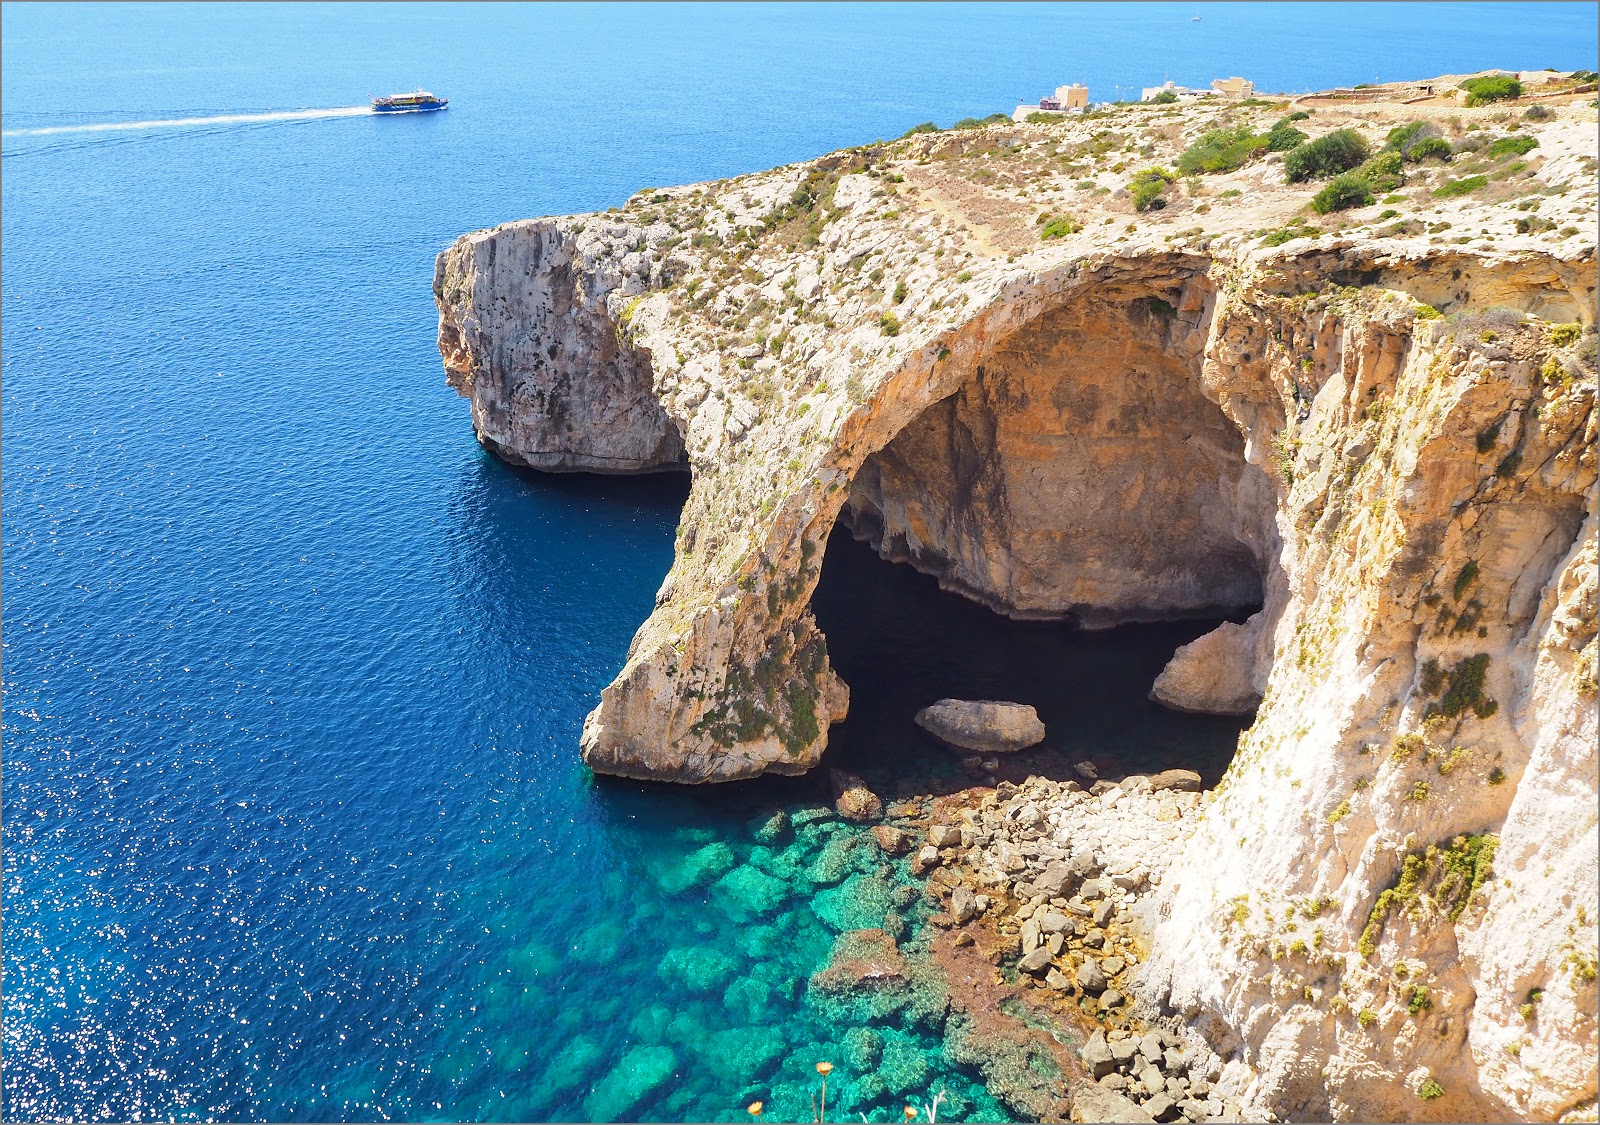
(985, 725)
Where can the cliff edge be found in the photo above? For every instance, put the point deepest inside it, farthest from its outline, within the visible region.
(1073, 383)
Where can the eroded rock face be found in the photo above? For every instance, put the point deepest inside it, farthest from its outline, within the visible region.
(525, 335)
(1162, 424)
(1080, 472)
(984, 725)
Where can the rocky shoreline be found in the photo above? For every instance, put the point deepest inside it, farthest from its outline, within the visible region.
(1042, 921)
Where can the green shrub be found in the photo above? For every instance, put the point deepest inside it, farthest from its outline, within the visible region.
(900, 291)
(1342, 193)
(925, 127)
(1166, 97)
(1428, 148)
(1420, 1001)
(1283, 138)
(1059, 227)
(1561, 335)
(1327, 156)
(1465, 690)
(1283, 135)
(1402, 136)
(980, 122)
(1460, 187)
(1512, 146)
(1221, 150)
(1288, 234)
(1147, 188)
(890, 324)
(1384, 172)
(1429, 1090)
(1417, 142)
(1491, 88)
(1044, 117)
(1538, 113)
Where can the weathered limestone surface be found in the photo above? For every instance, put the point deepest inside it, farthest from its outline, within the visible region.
(986, 726)
(1385, 439)
(1080, 472)
(1213, 674)
(525, 334)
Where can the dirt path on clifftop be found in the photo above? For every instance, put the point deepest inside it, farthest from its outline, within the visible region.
(989, 227)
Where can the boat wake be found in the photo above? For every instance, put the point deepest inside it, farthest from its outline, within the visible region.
(184, 122)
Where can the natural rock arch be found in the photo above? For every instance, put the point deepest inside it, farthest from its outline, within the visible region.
(1078, 473)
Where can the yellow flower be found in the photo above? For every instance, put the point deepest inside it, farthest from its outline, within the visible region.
(911, 1111)
(754, 1109)
(824, 1068)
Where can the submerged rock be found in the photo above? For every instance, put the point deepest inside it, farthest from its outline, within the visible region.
(860, 902)
(985, 725)
(863, 1047)
(699, 969)
(571, 1066)
(770, 829)
(641, 1072)
(743, 1054)
(750, 891)
(839, 857)
(868, 980)
(699, 869)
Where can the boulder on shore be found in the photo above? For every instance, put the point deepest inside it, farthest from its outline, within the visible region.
(1187, 781)
(986, 725)
(1096, 1103)
(889, 838)
(853, 800)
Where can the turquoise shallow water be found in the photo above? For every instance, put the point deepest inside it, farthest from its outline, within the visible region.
(294, 826)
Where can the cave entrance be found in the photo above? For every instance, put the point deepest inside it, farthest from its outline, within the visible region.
(901, 643)
(1078, 476)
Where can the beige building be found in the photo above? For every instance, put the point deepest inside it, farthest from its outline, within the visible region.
(1233, 87)
(1150, 93)
(1067, 99)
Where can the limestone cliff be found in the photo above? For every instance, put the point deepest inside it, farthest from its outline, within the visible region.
(1378, 427)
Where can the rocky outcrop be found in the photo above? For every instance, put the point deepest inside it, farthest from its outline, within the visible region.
(1213, 675)
(526, 336)
(984, 725)
(1380, 440)
(852, 799)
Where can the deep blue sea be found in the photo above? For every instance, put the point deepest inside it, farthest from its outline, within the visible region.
(294, 826)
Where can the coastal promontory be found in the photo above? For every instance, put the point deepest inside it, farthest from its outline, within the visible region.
(1327, 365)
